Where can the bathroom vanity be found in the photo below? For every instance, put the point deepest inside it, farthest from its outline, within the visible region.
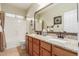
(38, 45)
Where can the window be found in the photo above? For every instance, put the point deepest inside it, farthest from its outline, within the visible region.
(14, 15)
(18, 16)
(30, 19)
(9, 15)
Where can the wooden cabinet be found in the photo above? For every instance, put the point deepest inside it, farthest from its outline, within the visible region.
(36, 46)
(30, 46)
(27, 42)
(35, 54)
(53, 51)
(57, 51)
(45, 45)
(44, 52)
(45, 49)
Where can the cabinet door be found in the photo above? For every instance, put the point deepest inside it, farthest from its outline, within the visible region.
(27, 40)
(36, 46)
(70, 21)
(62, 52)
(44, 52)
(45, 45)
(53, 51)
(30, 46)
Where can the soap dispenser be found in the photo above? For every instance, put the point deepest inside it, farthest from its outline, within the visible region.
(44, 32)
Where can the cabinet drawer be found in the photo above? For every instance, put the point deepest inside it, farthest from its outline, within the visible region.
(30, 39)
(35, 54)
(45, 45)
(36, 41)
(44, 52)
(36, 48)
(62, 52)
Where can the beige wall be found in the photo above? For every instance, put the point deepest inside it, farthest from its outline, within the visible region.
(30, 16)
(32, 10)
(58, 10)
(11, 9)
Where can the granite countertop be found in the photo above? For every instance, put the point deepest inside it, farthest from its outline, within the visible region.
(71, 45)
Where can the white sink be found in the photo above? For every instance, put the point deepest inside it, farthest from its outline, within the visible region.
(58, 40)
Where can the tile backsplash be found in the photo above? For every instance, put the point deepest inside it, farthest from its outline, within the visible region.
(71, 37)
(66, 36)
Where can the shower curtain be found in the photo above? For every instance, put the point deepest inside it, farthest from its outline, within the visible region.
(14, 31)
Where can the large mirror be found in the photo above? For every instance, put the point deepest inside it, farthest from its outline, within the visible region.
(57, 17)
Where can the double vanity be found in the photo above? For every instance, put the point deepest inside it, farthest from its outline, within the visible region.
(38, 45)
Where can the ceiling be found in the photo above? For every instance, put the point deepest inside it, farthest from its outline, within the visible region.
(23, 6)
(30, 8)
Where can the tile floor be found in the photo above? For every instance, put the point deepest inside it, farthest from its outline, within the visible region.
(13, 52)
